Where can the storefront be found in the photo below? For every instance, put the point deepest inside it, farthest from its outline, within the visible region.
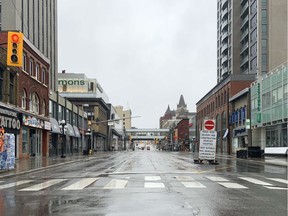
(34, 136)
(54, 137)
(240, 138)
(276, 135)
(9, 133)
(76, 141)
(70, 139)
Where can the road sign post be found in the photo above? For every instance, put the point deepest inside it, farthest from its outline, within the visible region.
(207, 147)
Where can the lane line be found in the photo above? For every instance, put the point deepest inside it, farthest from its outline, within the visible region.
(43, 185)
(81, 184)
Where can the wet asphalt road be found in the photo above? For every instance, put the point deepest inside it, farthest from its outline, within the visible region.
(146, 182)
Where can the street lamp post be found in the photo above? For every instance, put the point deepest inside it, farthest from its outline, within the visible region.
(82, 146)
(89, 141)
(63, 125)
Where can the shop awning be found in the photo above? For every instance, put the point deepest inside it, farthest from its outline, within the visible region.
(70, 130)
(77, 133)
(54, 126)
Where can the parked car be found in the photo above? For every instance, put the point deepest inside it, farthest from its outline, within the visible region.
(148, 147)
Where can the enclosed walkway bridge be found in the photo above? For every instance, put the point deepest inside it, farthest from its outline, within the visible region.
(147, 134)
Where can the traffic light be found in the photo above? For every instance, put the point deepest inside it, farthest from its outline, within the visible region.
(14, 49)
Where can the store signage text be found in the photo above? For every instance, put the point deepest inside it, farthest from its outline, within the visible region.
(8, 119)
(239, 131)
(71, 82)
(32, 122)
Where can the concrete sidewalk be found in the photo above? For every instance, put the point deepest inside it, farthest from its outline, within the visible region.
(273, 160)
(24, 166)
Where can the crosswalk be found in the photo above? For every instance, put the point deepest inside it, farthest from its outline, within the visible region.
(146, 182)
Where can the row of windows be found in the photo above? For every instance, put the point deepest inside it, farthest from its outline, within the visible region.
(274, 96)
(33, 68)
(220, 100)
(34, 103)
(238, 117)
(9, 89)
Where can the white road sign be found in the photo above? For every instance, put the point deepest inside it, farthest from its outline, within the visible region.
(207, 148)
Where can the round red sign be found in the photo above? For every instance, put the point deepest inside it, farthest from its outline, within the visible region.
(209, 125)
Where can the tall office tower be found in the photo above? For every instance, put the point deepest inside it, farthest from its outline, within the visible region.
(38, 21)
(251, 36)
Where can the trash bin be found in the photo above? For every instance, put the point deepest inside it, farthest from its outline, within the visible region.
(85, 152)
(242, 154)
(254, 151)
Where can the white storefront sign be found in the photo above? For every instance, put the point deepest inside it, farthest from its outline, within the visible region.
(207, 148)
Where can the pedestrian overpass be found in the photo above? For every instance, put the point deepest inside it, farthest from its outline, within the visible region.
(147, 134)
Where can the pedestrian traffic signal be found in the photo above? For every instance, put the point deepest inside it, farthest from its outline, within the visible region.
(14, 49)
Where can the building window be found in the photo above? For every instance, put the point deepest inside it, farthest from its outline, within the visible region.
(31, 69)
(24, 99)
(24, 62)
(285, 91)
(34, 103)
(43, 76)
(37, 73)
(25, 136)
(11, 89)
(43, 108)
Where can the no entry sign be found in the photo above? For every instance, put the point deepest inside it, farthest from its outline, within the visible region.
(209, 124)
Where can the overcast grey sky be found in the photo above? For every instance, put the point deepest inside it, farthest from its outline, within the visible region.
(144, 53)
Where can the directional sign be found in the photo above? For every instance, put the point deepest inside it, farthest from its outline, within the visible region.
(209, 124)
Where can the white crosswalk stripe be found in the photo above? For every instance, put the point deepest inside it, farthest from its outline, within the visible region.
(43, 185)
(217, 179)
(232, 185)
(81, 184)
(152, 178)
(150, 182)
(14, 184)
(193, 184)
(276, 188)
(279, 180)
(255, 181)
(154, 185)
(184, 178)
(116, 184)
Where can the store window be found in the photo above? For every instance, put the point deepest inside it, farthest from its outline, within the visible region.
(25, 137)
(284, 136)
